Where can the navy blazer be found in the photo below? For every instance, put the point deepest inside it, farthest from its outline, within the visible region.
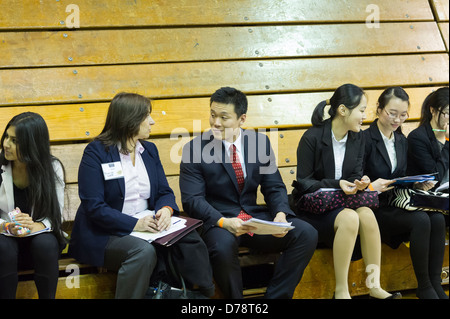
(315, 160)
(376, 159)
(424, 154)
(208, 183)
(100, 213)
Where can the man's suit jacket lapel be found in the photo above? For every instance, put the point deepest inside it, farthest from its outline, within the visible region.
(220, 155)
(246, 147)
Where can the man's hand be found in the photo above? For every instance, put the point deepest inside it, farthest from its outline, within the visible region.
(236, 227)
(280, 218)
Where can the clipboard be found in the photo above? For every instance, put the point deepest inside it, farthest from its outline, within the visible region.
(170, 239)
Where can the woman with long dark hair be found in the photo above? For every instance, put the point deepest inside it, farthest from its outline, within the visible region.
(428, 145)
(32, 188)
(111, 200)
(386, 158)
(330, 155)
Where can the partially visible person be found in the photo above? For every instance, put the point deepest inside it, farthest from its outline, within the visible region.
(386, 152)
(32, 187)
(428, 145)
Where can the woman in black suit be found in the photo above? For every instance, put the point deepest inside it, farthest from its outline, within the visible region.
(330, 154)
(386, 150)
(428, 150)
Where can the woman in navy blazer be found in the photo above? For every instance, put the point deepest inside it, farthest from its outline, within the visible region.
(386, 150)
(102, 227)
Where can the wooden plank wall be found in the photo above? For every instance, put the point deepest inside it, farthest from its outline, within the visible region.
(287, 55)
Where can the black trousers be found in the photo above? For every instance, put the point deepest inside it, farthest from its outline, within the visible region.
(138, 263)
(40, 252)
(297, 248)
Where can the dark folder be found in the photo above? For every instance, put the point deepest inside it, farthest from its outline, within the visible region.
(169, 240)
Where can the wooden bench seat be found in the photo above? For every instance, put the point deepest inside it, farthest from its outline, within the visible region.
(120, 14)
(80, 122)
(318, 280)
(40, 49)
(80, 84)
(87, 282)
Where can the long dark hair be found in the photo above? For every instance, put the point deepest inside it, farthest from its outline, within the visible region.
(388, 94)
(348, 95)
(125, 115)
(33, 149)
(438, 100)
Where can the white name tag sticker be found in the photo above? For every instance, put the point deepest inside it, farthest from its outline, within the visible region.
(112, 170)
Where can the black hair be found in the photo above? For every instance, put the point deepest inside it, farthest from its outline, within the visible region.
(348, 95)
(388, 94)
(438, 100)
(228, 95)
(33, 149)
(125, 115)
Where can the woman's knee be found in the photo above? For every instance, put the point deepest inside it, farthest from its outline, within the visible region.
(144, 253)
(8, 248)
(420, 221)
(367, 217)
(347, 220)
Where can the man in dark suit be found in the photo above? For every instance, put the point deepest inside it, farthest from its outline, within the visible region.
(220, 173)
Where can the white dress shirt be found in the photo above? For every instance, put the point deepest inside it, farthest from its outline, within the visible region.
(339, 154)
(239, 151)
(137, 183)
(390, 147)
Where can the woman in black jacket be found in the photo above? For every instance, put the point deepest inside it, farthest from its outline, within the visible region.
(330, 155)
(386, 150)
(428, 148)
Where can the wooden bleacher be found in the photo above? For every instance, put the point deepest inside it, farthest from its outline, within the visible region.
(285, 55)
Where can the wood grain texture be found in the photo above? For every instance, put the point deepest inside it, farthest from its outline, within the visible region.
(118, 13)
(94, 83)
(177, 117)
(99, 47)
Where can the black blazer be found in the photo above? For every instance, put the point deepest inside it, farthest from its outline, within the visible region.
(208, 184)
(376, 158)
(315, 160)
(424, 153)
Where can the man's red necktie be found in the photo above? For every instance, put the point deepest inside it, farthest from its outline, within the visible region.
(235, 162)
